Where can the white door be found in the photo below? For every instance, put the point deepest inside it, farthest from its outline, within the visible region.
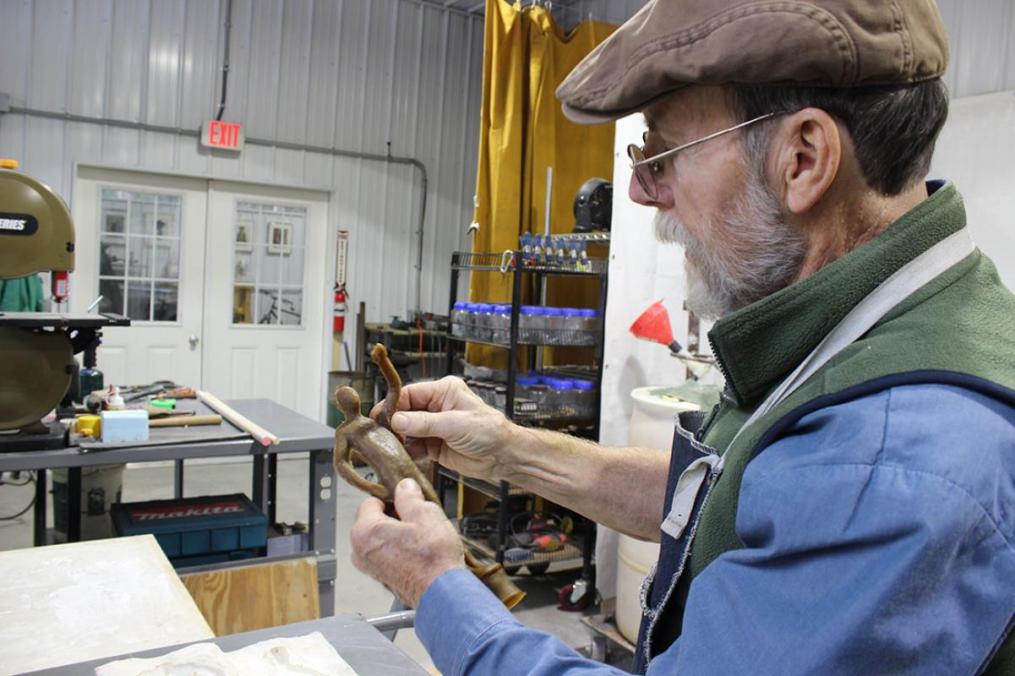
(140, 244)
(266, 294)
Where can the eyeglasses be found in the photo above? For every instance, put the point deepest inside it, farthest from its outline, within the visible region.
(646, 169)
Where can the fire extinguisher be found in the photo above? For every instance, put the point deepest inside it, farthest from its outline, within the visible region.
(60, 286)
(339, 317)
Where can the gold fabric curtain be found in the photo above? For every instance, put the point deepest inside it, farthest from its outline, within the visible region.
(522, 132)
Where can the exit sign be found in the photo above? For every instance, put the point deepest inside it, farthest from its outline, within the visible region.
(222, 135)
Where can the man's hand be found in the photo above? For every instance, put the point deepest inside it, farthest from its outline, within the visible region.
(405, 556)
(447, 421)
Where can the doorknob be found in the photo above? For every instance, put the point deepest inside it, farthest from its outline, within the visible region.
(193, 340)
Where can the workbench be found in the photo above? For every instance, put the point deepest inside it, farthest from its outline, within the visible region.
(363, 647)
(297, 434)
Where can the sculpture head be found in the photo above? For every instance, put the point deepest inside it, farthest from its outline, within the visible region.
(348, 402)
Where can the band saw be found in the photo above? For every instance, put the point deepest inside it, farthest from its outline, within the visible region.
(37, 367)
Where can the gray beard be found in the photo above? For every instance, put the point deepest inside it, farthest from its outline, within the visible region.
(765, 257)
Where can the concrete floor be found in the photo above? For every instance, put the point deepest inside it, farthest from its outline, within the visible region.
(354, 591)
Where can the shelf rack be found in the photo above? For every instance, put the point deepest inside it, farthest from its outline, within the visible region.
(512, 263)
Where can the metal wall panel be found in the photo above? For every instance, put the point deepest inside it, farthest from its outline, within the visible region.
(126, 86)
(294, 73)
(165, 43)
(200, 63)
(356, 75)
(981, 36)
(16, 36)
(92, 32)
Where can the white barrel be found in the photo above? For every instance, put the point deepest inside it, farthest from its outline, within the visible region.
(652, 423)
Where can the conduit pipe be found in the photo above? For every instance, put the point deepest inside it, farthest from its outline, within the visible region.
(284, 145)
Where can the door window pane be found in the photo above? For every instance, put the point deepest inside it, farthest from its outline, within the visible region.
(111, 291)
(164, 301)
(114, 211)
(167, 258)
(243, 304)
(292, 308)
(243, 269)
(269, 248)
(139, 298)
(167, 221)
(139, 254)
(112, 255)
(142, 214)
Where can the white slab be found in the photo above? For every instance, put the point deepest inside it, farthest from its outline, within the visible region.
(87, 600)
(297, 655)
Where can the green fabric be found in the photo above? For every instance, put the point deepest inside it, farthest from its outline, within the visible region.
(961, 322)
(759, 344)
(22, 294)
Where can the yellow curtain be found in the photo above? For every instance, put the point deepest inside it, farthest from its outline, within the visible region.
(522, 132)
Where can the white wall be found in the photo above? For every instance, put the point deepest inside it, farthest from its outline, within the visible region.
(351, 74)
(642, 271)
(976, 151)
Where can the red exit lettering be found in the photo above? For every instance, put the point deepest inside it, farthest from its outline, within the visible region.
(218, 134)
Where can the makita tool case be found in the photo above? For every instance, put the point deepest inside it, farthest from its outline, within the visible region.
(196, 531)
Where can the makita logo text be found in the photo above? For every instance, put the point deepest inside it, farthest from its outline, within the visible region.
(15, 224)
(180, 512)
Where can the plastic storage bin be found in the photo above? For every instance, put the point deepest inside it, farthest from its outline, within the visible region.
(531, 324)
(554, 334)
(584, 398)
(196, 531)
(459, 317)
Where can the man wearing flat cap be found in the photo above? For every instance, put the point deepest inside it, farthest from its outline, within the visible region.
(849, 506)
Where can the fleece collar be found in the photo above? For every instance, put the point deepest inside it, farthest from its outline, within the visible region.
(760, 344)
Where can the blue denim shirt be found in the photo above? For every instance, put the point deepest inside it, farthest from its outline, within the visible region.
(879, 538)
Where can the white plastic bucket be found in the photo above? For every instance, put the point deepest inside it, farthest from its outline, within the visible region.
(652, 422)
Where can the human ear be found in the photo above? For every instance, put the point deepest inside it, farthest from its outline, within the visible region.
(808, 156)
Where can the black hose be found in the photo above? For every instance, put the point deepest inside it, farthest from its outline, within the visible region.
(30, 504)
(225, 59)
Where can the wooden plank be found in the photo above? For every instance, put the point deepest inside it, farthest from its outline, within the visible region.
(88, 600)
(256, 596)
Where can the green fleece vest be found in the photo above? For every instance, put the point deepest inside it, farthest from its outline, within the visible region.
(963, 322)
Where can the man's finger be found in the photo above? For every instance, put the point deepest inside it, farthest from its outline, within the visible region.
(447, 425)
(370, 511)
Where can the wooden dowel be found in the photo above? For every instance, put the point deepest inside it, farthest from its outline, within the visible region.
(185, 421)
(261, 435)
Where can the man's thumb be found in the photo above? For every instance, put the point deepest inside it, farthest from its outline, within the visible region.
(407, 495)
(414, 424)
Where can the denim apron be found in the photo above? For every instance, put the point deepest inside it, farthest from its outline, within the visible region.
(695, 467)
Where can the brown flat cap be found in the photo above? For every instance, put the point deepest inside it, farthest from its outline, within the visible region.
(670, 44)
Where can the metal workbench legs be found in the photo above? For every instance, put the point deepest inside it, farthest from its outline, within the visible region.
(322, 526)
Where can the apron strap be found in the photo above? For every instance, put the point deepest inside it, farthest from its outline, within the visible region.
(685, 494)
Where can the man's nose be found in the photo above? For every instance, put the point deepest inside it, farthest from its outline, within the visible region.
(636, 192)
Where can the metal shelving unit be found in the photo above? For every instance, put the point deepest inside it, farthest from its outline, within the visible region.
(536, 275)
